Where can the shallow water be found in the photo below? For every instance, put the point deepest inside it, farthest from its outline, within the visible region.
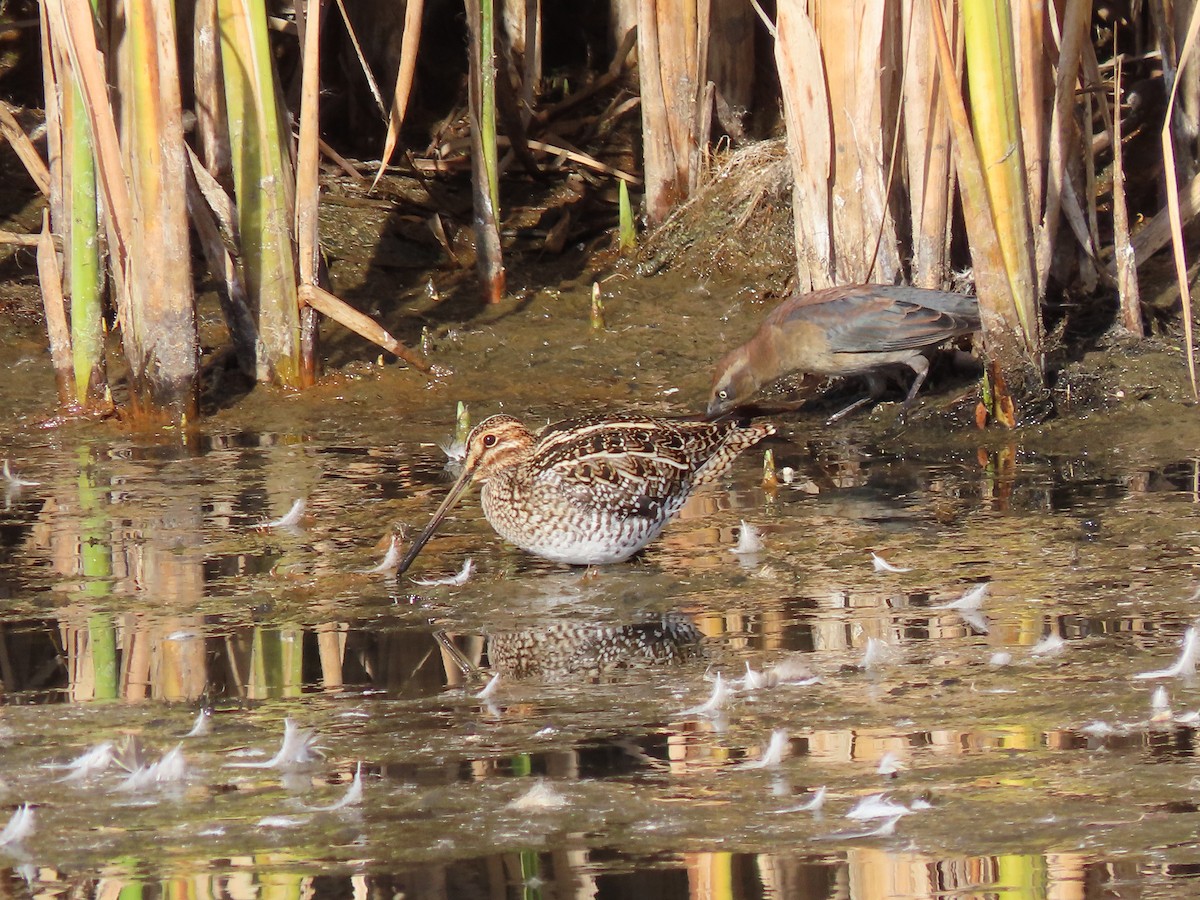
(141, 588)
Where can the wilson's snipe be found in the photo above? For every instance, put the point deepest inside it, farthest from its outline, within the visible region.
(590, 491)
(850, 330)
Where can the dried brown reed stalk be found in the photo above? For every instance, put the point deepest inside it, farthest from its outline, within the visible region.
(807, 116)
(410, 42)
(1173, 205)
(672, 37)
(484, 162)
(927, 151)
(1127, 282)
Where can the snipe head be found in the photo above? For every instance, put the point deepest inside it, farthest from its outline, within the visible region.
(496, 443)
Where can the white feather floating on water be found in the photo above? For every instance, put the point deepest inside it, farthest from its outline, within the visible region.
(540, 796)
(716, 702)
(281, 821)
(299, 746)
(971, 600)
(16, 481)
(749, 540)
(354, 794)
(812, 804)
(877, 806)
(1160, 705)
(791, 671)
(777, 749)
(19, 826)
(489, 689)
(752, 681)
(878, 653)
(882, 565)
(887, 829)
(889, 765)
(171, 769)
(95, 759)
(1050, 645)
(452, 580)
(391, 561)
(1186, 664)
(455, 450)
(292, 519)
(202, 725)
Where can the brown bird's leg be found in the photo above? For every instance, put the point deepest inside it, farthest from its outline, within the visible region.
(920, 365)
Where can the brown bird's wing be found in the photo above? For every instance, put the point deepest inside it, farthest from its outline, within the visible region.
(883, 318)
(633, 467)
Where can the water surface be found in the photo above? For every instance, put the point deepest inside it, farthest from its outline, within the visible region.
(1026, 757)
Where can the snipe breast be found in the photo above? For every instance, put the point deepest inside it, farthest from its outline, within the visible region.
(590, 491)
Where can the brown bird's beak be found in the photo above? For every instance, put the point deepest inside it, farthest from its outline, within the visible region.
(456, 490)
(716, 408)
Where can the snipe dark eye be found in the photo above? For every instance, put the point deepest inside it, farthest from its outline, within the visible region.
(489, 440)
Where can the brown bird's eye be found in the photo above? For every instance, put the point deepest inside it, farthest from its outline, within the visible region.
(489, 440)
(723, 394)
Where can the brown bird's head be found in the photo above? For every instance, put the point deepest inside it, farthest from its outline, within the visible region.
(734, 382)
(495, 443)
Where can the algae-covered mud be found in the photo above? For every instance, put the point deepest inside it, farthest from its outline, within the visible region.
(959, 664)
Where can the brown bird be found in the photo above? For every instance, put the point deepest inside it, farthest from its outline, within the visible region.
(851, 330)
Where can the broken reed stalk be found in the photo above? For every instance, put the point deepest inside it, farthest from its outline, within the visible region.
(671, 38)
(927, 151)
(809, 142)
(1030, 30)
(1062, 127)
(531, 73)
(860, 89)
(161, 343)
(1127, 282)
(410, 42)
(263, 180)
(484, 157)
(308, 151)
(56, 316)
(361, 324)
(12, 131)
(307, 197)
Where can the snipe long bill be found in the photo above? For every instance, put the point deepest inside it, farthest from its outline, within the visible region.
(589, 491)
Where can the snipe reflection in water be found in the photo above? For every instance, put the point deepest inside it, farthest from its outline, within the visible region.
(570, 648)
